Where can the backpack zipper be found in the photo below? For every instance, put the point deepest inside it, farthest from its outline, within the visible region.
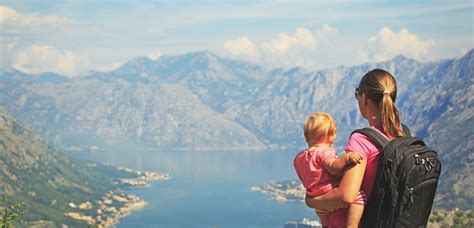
(405, 179)
(416, 187)
(417, 159)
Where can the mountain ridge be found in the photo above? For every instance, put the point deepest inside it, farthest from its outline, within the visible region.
(202, 101)
(226, 91)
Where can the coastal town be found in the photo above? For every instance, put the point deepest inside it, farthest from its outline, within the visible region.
(282, 191)
(143, 178)
(293, 191)
(303, 223)
(116, 204)
(288, 191)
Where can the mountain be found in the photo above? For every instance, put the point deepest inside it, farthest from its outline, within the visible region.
(198, 72)
(147, 111)
(202, 101)
(13, 77)
(51, 184)
(447, 120)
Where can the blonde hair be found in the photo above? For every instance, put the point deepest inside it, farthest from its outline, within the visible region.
(381, 88)
(319, 128)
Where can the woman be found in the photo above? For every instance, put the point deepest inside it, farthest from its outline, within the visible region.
(376, 96)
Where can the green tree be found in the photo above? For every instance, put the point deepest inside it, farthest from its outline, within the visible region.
(10, 212)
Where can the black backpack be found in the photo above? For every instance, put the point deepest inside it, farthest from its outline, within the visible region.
(406, 181)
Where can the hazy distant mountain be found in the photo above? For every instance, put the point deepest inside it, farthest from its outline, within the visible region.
(101, 110)
(199, 100)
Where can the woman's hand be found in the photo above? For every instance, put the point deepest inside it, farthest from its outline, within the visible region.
(343, 195)
(330, 200)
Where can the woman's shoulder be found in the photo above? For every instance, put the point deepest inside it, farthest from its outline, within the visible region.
(363, 140)
(361, 143)
(359, 138)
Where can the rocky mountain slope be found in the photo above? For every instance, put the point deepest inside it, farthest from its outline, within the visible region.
(202, 101)
(57, 190)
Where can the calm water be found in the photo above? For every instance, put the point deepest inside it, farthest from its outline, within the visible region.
(208, 188)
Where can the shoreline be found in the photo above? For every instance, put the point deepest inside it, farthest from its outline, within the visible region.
(293, 191)
(89, 148)
(115, 204)
(283, 191)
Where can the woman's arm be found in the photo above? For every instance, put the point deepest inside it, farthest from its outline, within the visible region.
(343, 195)
(336, 166)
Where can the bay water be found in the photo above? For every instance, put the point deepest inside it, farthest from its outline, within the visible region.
(207, 188)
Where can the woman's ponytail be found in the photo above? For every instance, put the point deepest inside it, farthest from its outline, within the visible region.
(381, 88)
(389, 116)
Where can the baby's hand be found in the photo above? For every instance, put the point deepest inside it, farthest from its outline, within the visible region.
(355, 158)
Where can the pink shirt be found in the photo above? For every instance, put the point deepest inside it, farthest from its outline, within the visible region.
(309, 165)
(364, 146)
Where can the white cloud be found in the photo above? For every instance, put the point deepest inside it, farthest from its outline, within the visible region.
(388, 44)
(287, 50)
(154, 55)
(40, 58)
(362, 57)
(462, 52)
(12, 20)
(242, 48)
(325, 31)
(110, 67)
(282, 43)
(7, 14)
(20, 33)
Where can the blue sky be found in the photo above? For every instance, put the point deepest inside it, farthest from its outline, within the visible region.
(74, 37)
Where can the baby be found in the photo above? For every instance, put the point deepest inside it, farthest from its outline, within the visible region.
(319, 168)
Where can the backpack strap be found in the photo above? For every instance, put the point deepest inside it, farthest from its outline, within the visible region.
(379, 140)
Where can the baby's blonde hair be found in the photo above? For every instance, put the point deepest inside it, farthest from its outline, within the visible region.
(319, 128)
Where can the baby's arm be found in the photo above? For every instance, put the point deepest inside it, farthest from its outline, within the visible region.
(336, 165)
